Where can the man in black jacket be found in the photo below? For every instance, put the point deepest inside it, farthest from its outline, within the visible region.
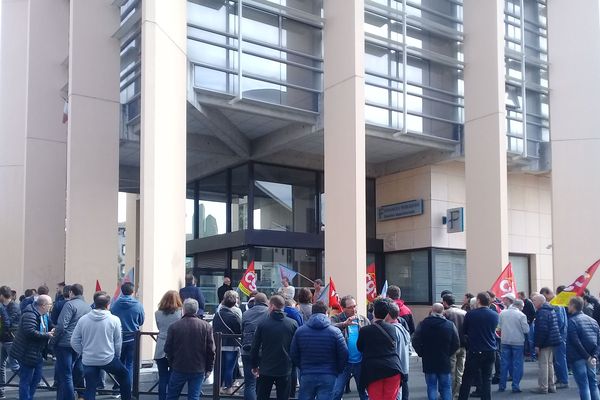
(436, 340)
(250, 321)
(224, 288)
(31, 343)
(270, 354)
(190, 349)
(380, 366)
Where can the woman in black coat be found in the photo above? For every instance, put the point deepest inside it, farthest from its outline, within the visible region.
(228, 322)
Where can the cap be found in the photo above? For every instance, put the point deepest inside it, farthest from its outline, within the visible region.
(509, 296)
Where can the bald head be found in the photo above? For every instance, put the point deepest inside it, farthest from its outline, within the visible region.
(538, 301)
(437, 308)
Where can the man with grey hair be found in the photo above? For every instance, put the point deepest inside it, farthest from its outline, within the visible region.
(546, 337)
(436, 340)
(190, 349)
(513, 327)
(30, 345)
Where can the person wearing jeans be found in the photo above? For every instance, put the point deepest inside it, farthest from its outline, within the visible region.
(6, 341)
(250, 320)
(480, 329)
(320, 352)
(513, 327)
(436, 340)
(190, 349)
(97, 338)
(547, 337)
(227, 322)
(583, 348)
(30, 344)
(169, 312)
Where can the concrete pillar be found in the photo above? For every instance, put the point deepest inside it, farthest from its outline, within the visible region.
(345, 213)
(132, 224)
(574, 58)
(163, 150)
(33, 142)
(485, 142)
(93, 146)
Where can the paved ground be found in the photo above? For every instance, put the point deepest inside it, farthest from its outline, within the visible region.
(417, 386)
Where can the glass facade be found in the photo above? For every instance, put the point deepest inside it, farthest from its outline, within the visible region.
(131, 69)
(526, 56)
(413, 66)
(281, 59)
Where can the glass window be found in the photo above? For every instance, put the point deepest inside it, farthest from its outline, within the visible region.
(410, 271)
(189, 213)
(212, 205)
(371, 209)
(520, 264)
(449, 272)
(209, 282)
(239, 198)
(284, 199)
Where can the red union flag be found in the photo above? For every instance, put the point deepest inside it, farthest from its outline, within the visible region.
(334, 299)
(578, 287)
(98, 288)
(505, 282)
(371, 283)
(248, 283)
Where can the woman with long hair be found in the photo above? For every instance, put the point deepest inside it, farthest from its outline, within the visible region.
(169, 311)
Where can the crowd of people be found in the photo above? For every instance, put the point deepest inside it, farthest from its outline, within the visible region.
(286, 345)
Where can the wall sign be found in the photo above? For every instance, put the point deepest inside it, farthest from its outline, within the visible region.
(400, 210)
(455, 220)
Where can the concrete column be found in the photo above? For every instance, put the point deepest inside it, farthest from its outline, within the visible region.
(485, 142)
(33, 142)
(345, 213)
(132, 224)
(163, 150)
(93, 146)
(574, 51)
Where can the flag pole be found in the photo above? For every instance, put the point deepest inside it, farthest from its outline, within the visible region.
(306, 277)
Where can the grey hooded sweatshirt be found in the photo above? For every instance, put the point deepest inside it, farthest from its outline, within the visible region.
(97, 337)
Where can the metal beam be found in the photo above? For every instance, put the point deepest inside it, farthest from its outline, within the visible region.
(223, 128)
(282, 139)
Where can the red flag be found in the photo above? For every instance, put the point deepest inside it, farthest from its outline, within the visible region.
(578, 287)
(505, 283)
(371, 283)
(248, 282)
(98, 288)
(334, 299)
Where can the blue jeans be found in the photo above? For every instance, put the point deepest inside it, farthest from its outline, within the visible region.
(117, 369)
(249, 379)
(343, 378)
(127, 353)
(316, 387)
(511, 361)
(29, 378)
(585, 376)
(439, 383)
(530, 337)
(164, 374)
(6, 362)
(69, 371)
(560, 364)
(178, 379)
(228, 359)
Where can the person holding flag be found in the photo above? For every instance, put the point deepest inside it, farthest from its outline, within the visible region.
(349, 322)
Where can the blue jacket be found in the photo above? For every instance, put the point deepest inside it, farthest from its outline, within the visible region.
(70, 314)
(436, 340)
(547, 332)
(583, 338)
(563, 322)
(56, 309)
(193, 292)
(318, 348)
(294, 314)
(131, 314)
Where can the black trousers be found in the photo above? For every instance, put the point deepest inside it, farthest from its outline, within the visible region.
(478, 362)
(264, 385)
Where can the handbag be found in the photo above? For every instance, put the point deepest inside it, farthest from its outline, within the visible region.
(392, 340)
(228, 328)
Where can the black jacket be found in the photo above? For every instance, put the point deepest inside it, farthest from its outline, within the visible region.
(271, 346)
(379, 356)
(436, 340)
(30, 343)
(221, 291)
(190, 347)
(227, 322)
(529, 310)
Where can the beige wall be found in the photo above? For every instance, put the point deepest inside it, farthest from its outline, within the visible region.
(442, 186)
